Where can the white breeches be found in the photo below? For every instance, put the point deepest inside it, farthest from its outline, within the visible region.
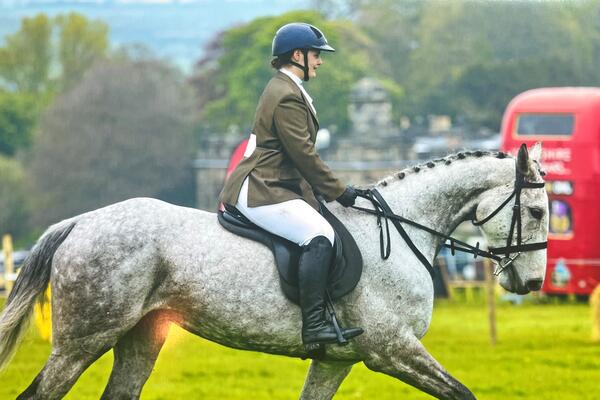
(294, 220)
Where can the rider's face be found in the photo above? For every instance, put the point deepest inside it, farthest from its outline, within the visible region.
(314, 61)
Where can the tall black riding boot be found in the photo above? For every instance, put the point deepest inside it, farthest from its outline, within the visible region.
(313, 269)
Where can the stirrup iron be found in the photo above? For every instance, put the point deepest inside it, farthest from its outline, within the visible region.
(342, 341)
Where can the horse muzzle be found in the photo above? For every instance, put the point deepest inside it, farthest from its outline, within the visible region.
(510, 280)
(534, 284)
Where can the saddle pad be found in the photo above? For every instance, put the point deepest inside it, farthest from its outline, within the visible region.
(344, 274)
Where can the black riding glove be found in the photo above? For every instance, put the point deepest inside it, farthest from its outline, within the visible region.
(347, 198)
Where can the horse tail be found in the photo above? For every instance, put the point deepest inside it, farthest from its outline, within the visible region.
(30, 284)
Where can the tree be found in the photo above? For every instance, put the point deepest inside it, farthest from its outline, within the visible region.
(483, 91)
(124, 131)
(338, 8)
(431, 48)
(26, 58)
(556, 48)
(82, 42)
(234, 76)
(18, 115)
(29, 76)
(31, 63)
(13, 212)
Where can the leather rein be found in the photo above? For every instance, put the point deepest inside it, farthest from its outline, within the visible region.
(384, 214)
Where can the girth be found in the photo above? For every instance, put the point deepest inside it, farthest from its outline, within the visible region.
(344, 273)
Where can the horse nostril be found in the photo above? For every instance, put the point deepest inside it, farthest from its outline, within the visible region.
(534, 284)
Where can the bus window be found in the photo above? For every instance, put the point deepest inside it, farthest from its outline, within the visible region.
(561, 223)
(545, 124)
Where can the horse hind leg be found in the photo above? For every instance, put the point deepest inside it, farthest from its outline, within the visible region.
(411, 363)
(134, 356)
(324, 378)
(66, 363)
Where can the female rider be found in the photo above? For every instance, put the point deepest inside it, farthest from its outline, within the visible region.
(273, 185)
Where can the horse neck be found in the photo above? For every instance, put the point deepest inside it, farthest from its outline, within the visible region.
(442, 196)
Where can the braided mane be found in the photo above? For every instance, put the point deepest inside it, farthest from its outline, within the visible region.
(449, 159)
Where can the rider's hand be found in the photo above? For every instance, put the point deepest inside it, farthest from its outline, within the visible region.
(347, 198)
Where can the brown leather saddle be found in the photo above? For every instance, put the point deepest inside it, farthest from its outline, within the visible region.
(344, 273)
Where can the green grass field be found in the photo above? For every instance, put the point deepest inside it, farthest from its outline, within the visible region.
(543, 352)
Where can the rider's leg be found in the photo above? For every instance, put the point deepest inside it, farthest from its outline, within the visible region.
(313, 268)
(298, 222)
(294, 220)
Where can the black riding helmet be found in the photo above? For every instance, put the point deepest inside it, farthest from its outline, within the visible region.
(299, 35)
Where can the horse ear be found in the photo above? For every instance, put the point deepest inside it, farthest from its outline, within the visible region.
(523, 160)
(536, 152)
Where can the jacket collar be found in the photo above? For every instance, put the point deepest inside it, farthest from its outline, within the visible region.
(293, 77)
(297, 86)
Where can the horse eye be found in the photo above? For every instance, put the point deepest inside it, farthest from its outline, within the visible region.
(536, 212)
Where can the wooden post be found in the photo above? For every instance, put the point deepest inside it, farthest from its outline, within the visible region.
(9, 268)
(595, 303)
(445, 279)
(491, 299)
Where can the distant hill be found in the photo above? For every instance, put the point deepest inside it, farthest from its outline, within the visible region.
(173, 29)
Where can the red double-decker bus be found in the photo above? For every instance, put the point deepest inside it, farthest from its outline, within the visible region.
(567, 122)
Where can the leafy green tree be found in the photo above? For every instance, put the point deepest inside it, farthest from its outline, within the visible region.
(338, 8)
(33, 68)
(393, 27)
(123, 131)
(82, 42)
(13, 212)
(31, 63)
(483, 91)
(555, 49)
(18, 115)
(26, 58)
(432, 49)
(233, 74)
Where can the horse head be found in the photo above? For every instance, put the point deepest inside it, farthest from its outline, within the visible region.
(514, 220)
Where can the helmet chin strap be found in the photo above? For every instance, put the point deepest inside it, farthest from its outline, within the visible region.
(304, 67)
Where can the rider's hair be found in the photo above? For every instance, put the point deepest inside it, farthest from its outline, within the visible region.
(282, 60)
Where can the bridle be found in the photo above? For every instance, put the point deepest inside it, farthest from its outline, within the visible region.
(520, 247)
(384, 214)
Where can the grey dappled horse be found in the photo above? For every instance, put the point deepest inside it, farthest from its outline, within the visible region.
(121, 273)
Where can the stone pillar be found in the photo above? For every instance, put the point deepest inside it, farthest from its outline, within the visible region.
(370, 110)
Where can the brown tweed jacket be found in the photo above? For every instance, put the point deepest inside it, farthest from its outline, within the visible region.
(285, 164)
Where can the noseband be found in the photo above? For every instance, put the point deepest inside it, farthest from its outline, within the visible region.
(384, 213)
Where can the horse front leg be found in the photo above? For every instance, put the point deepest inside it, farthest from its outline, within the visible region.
(324, 378)
(410, 362)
